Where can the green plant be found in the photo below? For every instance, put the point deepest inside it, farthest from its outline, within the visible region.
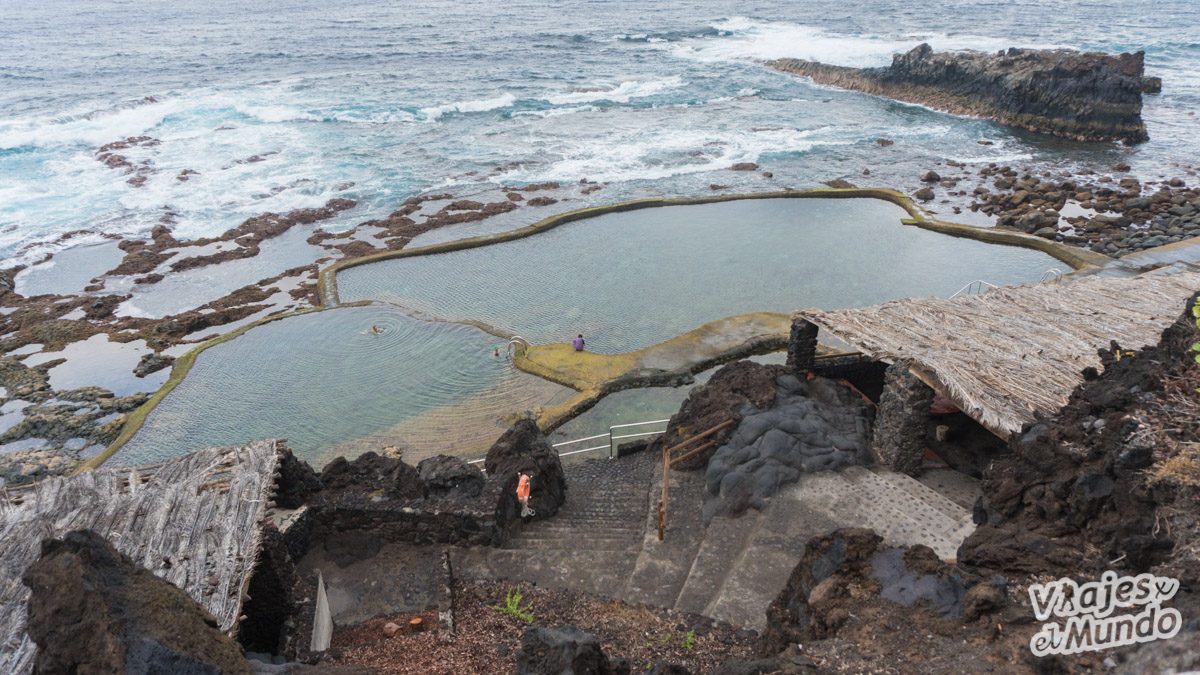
(689, 640)
(512, 606)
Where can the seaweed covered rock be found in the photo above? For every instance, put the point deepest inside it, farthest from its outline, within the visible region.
(733, 391)
(561, 651)
(93, 610)
(447, 477)
(524, 449)
(371, 473)
(814, 425)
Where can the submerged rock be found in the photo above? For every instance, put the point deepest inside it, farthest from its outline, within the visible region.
(1087, 96)
(93, 610)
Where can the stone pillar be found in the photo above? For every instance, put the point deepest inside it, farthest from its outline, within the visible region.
(898, 441)
(802, 346)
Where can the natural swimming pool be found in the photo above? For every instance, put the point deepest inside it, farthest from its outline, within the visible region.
(324, 379)
(630, 279)
(627, 280)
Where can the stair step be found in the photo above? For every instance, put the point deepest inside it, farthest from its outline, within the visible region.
(724, 541)
(956, 486)
(922, 492)
(662, 567)
(912, 500)
(855, 496)
(560, 544)
(765, 565)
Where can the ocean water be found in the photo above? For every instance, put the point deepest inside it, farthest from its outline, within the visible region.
(380, 101)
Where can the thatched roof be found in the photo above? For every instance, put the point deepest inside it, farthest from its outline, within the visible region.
(1012, 353)
(201, 512)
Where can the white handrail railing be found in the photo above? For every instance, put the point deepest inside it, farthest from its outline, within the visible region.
(977, 287)
(610, 435)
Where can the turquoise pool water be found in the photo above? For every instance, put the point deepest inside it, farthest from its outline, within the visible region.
(322, 379)
(629, 280)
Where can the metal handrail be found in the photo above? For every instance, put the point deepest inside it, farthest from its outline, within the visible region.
(978, 285)
(1052, 275)
(611, 440)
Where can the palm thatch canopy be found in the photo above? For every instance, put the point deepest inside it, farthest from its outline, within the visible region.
(195, 521)
(1011, 354)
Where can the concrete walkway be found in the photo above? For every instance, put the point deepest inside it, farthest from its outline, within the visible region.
(594, 375)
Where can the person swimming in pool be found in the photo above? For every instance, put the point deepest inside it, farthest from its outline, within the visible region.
(375, 330)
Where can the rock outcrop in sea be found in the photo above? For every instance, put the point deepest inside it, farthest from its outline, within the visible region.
(1085, 96)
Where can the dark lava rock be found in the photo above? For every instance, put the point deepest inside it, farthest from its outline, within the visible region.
(1072, 494)
(92, 610)
(931, 177)
(924, 194)
(373, 473)
(884, 142)
(297, 481)
(1087, 96)
(565, 650)
(542, 201)
(849, 572)
(152, 363)
(739, 386)
(815, 425)
(840, 184)
(524, 449)
(744, 166)
(1151, 85)
(450, 477)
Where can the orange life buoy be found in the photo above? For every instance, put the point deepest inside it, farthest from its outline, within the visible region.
(523, 489)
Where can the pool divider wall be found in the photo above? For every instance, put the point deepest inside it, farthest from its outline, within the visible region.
(327, 293)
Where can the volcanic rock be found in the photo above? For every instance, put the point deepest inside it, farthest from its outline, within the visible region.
(373, 473)
(562, 650)
(93, 610)
(450, 477)
(1086, 96)
(737, 388)
(524, 449)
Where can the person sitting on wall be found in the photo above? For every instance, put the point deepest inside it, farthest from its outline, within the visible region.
(578, 343)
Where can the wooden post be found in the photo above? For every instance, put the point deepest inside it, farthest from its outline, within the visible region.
(662, 504)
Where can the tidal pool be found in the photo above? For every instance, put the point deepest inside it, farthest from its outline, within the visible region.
(629, 280)
(323, 379)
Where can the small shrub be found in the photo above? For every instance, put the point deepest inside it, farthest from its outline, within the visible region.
(512, 606)
(689, 641)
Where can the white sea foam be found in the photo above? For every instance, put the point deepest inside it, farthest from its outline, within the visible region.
(621, 93)
(746, 39)
(480, 105)
(663, 152)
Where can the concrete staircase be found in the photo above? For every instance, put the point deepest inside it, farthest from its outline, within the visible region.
(590, 545)
(604, 540)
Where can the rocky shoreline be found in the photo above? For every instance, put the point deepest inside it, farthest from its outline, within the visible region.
(1110, 212)
(1085, 96)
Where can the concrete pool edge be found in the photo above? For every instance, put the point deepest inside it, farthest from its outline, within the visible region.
(179, 371)
(1076, 258)
(632, 370)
